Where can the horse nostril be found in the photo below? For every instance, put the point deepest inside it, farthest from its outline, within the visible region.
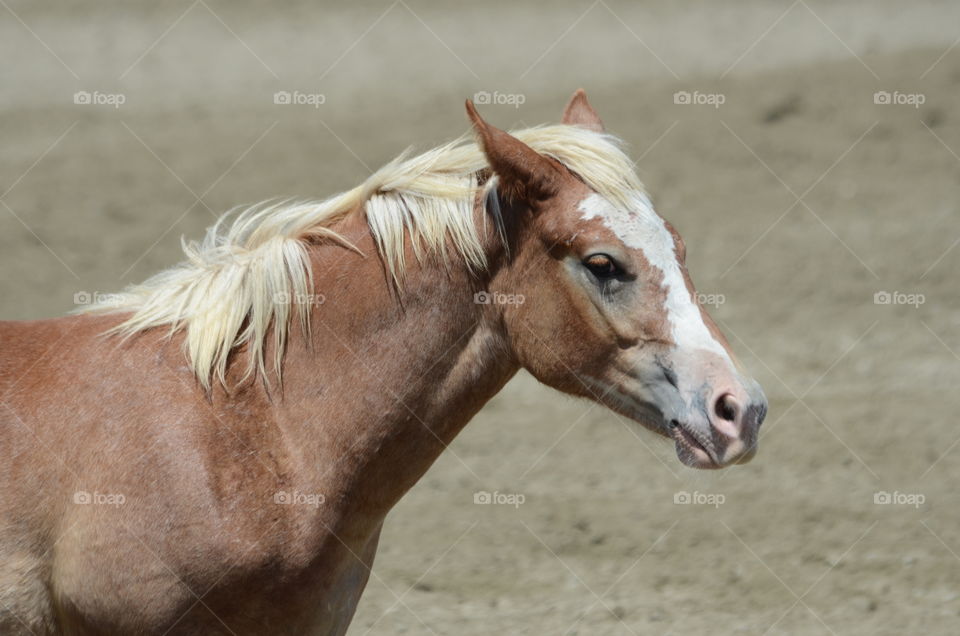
(726, 408)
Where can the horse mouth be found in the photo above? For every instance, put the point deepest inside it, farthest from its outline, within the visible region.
(691, 450)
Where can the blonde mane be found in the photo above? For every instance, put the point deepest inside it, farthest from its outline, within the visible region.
(254, 272)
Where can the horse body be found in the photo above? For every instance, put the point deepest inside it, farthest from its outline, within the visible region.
(200, 475)
(137, 498)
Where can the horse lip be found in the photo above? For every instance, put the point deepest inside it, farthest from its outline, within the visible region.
(688, 443)
(688, 440)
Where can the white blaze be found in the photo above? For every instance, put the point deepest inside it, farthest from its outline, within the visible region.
(641, 228)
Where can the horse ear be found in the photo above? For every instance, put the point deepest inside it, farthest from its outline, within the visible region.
(579, 112)
(524, 174)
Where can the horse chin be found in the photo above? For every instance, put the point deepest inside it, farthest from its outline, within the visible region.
(691, 451)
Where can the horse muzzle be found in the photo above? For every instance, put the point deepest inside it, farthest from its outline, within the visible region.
(723, 430)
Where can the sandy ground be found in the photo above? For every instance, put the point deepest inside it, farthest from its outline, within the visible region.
(862, 395)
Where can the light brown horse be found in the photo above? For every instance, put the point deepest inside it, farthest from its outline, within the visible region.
(215, 450)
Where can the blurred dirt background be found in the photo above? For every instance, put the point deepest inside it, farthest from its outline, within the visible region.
(800, 199)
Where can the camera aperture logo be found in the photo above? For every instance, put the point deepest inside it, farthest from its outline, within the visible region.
(498, 298)
(298, 98)
(484, 498)
(897, 498)
(84, 498)
(697, 498)
(696, 98)
(898, 298)
(96, 98)
(297, 498)
(499, 99)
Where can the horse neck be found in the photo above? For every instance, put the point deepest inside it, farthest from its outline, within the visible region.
(391, 375)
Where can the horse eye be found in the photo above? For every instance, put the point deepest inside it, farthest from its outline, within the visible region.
(602, 266)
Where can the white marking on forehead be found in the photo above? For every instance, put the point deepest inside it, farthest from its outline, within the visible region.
(642, 228)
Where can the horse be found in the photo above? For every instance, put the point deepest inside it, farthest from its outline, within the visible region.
(214, 450)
